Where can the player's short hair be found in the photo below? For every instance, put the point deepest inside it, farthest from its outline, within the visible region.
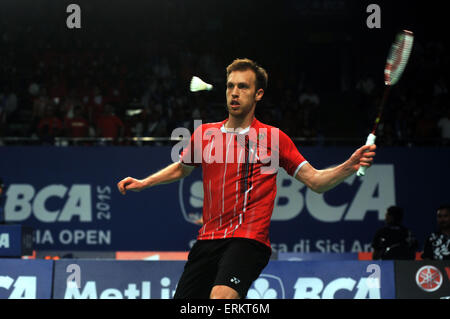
(262, 77)
(444, 207)
(396, 213)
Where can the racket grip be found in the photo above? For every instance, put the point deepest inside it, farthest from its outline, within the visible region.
(370, 141)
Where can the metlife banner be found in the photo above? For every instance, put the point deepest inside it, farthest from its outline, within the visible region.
(94, 279)
(69, 196)
(122, 279)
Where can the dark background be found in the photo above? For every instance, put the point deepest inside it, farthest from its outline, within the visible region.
(322, 45)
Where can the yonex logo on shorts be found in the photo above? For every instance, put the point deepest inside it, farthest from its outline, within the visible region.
(235, 281)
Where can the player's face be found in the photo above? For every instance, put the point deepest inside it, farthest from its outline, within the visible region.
(443, 219)
(241, 93)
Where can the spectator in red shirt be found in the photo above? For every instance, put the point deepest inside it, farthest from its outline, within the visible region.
(49, 126)
(109, 124)
(77, 126)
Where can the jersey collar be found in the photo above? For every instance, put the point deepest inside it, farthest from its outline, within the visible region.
(242, 132)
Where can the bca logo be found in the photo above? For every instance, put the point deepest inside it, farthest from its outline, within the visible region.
(376, 192)
(52, 203)
(267, 287)
(429, 278)
(24, 287)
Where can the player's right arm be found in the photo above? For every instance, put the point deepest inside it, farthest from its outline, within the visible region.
(170, 174)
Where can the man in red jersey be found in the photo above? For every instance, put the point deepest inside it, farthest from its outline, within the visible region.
(239, 157)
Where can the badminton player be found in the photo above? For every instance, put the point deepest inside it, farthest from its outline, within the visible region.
(233, 244)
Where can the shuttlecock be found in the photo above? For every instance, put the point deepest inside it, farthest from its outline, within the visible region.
(197, 84)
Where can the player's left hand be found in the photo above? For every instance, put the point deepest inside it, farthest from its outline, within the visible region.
(363, 157)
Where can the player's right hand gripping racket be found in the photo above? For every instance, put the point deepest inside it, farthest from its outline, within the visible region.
(395, 65)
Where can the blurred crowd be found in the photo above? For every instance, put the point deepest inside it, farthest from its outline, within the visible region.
(59, 85)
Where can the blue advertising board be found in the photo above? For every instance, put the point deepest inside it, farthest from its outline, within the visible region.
(289, 256)
(99, 279)
(10, 241)
(325, 280)
(15, 241)
(26, 279)
(120, 279)
(69, 196)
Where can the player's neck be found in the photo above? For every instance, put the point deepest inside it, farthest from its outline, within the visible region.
(235, 123)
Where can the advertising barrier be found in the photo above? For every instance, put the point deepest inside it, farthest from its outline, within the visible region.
(325, 280)
(280, 280)
(68, 195)
(317, 256)
(422, 279)
(121, 279)
(15, 241)
(26, 279)
(127, 279)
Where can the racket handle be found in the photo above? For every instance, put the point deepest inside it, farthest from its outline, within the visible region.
(370, 141)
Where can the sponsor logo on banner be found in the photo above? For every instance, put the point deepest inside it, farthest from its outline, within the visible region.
(429, 278)
(315, 288)
(4, 240)
(22, 287)
(62, 205)
(376, 193)
(267, 287)
(23, 201)
(324, 280)
(102, 279)
(25, 279)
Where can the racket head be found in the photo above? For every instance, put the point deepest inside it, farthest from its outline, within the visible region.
(398, 57)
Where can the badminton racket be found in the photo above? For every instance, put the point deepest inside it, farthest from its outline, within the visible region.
(395, 65)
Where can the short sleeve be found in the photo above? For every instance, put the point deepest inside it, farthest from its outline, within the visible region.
(290, 158)
(191, 155)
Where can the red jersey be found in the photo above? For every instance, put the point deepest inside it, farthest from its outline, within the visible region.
(109, 126)
(77, 127)
(239, 177)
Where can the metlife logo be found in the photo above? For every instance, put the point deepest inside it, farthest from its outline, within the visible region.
(100, 279)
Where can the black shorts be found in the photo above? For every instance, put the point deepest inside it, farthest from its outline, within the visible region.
(232, 262)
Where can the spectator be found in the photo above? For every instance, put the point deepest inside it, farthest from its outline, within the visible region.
(95, 105)
(366, 85)
(109, 124)
(309, 113)
(9, 103)
(157, 125)
(49, 126)
(426, 128)
(437, 245)
(309, 97)
(76, 126)
(394, 241)
(444, 126)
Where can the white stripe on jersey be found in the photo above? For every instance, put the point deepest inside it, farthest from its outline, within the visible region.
(210, 149)
(223, 184)
(248, 190)
(237, 183)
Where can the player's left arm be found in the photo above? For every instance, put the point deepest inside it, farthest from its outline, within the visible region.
(321, 181)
